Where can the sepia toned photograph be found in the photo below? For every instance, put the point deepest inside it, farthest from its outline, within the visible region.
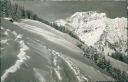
(64, 40)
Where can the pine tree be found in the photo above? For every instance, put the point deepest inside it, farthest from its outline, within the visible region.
(14, 11)
(35, 17)
(3, 6)
(22, 12)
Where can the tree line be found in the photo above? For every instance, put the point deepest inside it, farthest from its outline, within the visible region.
(120, 56)
(64, 30)
(16, 12)
(100, 60)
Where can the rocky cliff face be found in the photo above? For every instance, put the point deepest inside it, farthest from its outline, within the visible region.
(96, 29)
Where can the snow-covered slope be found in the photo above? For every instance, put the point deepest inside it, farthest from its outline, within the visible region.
(47, 55)
(96, 29)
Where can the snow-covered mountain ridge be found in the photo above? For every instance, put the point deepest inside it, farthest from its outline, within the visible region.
(96, 29)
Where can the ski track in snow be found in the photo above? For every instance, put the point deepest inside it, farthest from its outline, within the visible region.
(80, 77)
(58, 73)
(39, 76)
(22, 57)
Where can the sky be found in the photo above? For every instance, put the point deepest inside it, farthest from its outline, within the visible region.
(54, 10)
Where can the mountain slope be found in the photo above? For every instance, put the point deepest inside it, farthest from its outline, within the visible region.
(52, 55)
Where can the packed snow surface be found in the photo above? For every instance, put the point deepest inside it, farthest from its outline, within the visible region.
(75, 69)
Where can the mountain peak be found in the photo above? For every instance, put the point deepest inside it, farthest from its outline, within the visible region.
(91, 26)
(90, 15)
